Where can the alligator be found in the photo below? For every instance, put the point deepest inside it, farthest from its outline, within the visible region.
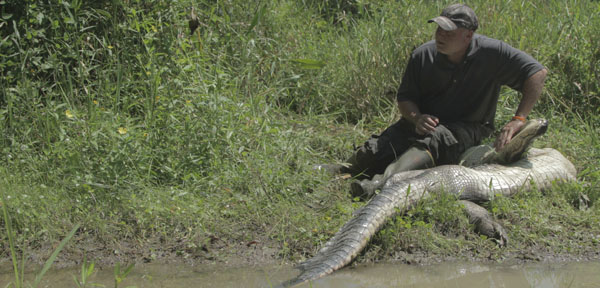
(538, 168)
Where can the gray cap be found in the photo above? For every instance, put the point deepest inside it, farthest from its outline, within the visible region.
(456, 15)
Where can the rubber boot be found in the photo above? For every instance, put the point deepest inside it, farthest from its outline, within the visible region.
(414, 158)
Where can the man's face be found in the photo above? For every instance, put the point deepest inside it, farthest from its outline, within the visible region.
(452, 42)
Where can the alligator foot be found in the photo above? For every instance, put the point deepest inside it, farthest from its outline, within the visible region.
(484, 223)
(364, 189)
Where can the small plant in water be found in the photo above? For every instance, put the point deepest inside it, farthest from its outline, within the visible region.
(120, 275)
(87, 269)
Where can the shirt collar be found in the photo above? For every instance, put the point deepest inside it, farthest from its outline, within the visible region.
(471, 52)
(473, 47)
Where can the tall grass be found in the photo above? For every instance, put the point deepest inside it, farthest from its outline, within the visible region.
(115, 117)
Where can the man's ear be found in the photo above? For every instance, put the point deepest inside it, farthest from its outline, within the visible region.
(470, 34)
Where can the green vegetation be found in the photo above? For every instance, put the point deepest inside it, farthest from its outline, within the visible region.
(19, 268)
(200, 145)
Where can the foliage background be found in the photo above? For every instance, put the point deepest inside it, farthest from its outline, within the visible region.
(114, 115)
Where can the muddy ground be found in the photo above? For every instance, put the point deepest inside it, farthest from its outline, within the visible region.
(257, 253)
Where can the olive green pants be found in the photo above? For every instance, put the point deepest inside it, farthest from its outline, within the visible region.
(446, 145)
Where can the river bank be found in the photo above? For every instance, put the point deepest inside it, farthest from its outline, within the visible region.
(551, 273)
(169, 144)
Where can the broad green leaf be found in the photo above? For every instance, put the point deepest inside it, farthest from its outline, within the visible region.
(50, 260)
(309, 63)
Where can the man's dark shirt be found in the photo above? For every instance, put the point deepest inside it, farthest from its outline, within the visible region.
(468, 91)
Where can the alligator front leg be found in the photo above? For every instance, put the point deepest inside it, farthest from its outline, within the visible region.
(484, 223)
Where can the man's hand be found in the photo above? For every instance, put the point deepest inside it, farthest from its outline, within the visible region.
(507, 132)
(532, 89)
(426, 124)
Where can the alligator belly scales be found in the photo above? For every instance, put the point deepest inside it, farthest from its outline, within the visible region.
(539, 169)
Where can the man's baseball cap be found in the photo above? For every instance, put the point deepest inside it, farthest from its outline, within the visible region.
(456, 15)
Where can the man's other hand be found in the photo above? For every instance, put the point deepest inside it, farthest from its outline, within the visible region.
(507, 132)
(426, 124)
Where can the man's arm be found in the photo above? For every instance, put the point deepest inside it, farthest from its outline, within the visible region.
(532, 89)
(424, 123)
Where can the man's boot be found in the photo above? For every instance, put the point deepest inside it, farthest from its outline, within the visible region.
(414, 158)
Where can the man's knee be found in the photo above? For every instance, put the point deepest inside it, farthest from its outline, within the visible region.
(450, 141)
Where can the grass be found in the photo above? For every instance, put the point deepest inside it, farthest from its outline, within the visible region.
(114, 117)
(19, 268)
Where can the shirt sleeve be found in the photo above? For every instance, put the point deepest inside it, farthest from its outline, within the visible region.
(515, 66)
(408, 88)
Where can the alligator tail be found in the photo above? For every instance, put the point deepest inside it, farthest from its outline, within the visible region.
(350, 240)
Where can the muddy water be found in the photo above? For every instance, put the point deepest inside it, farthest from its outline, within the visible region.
(582, 274)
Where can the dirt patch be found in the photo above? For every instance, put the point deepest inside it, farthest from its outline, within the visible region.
(232, 254)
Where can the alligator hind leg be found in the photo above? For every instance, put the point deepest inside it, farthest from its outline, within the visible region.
(484, 223)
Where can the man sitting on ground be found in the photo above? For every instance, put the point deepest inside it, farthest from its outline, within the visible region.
(447, 98)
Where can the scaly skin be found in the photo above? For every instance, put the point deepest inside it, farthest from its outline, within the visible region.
(542, 167)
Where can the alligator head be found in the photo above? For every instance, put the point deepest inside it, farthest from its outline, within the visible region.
(521, 141)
